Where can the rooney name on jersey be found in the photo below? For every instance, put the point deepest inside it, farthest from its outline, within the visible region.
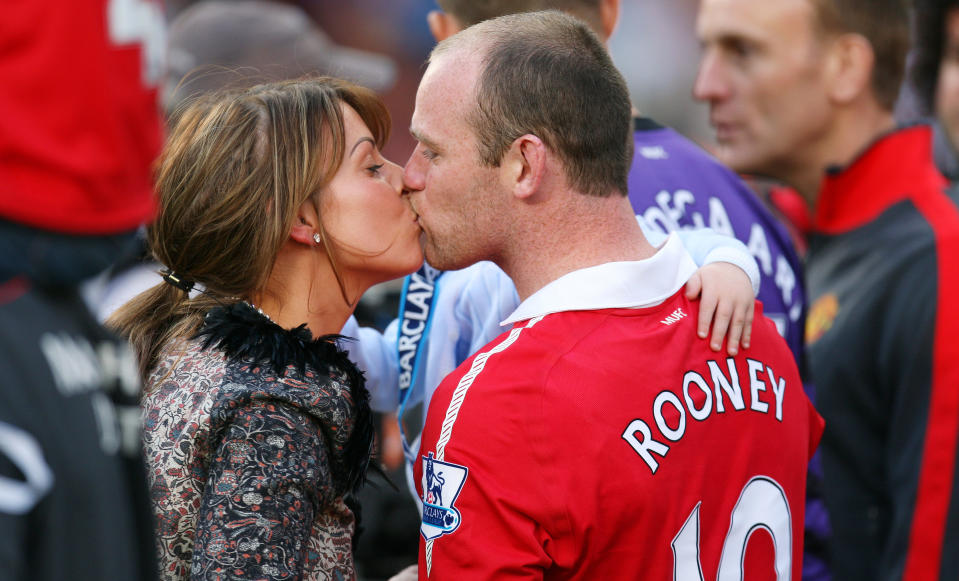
(696, 399)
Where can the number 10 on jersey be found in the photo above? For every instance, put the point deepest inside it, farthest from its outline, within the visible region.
(762, 504)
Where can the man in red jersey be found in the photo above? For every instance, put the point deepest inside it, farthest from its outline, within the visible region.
(599, 438)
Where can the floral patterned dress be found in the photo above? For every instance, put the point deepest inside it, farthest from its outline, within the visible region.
(255, 437)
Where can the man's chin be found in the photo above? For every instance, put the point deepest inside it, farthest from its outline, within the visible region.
(439, 262)
(738, 159)
(443, 261)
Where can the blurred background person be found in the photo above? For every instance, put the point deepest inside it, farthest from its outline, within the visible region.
(935, 75)
(223, 43)
(277, 212)
(803, 91)
(79, 130)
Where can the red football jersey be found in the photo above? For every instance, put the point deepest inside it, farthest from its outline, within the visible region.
(614, 444)
(80, 125)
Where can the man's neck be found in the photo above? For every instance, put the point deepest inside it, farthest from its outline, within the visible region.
(603, 230)
(849, 138)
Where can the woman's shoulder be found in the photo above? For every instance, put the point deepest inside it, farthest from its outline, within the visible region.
(184, 367)
(273, 370)
(277, 358)
(325, 391)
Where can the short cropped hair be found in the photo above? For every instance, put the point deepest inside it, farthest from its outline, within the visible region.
(885, 24)
(470, 12)
(930, 48)
(547, 74)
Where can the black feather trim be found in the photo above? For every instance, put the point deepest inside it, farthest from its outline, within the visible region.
(244, 334)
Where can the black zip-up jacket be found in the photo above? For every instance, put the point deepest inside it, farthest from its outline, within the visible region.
(882, 274)
(73, 496)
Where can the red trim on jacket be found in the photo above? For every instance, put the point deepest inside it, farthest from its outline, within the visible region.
(891, 170)
(13, 289)
(896, 168)
(923, 561)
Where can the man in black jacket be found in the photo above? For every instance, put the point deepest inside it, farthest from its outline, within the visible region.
(803, 91)
(73, 501)
(935, 74)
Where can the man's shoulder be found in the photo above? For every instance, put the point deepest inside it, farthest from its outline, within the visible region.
(511, 354)
(906, 234)
(538, 344)
(533, 352)
(518, 361)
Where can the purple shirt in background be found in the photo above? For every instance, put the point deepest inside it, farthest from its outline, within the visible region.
(675, 184)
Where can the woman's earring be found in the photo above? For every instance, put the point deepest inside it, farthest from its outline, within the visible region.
(316, 237)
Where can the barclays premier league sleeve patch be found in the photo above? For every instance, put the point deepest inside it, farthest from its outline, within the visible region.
(442, 483)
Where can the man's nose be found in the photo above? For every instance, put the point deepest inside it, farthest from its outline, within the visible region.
(414, 173)
(710, 84)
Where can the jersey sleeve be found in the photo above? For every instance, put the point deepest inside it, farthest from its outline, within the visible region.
(262, 493)
(375, 354)
(708, 246)
(486, 514)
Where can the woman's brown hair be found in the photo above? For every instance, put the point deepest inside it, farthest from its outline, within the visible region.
(234, 171)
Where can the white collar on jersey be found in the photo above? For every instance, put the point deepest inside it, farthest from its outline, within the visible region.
(614, 285)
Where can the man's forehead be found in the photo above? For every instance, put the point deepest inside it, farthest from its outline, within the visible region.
(757, 18)
(445, 90)
(453, 73)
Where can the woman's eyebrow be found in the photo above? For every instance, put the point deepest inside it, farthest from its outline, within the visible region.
(359, 141)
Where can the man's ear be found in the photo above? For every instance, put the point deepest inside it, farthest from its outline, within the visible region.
(442, 25)
(524, 165)
(850, 65)
(608, 16)
(306, 227)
